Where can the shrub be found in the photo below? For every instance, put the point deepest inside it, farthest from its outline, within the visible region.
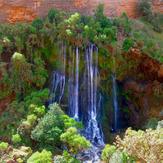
(144, 7)
(3, 146)
(108, 152)
(38, 111)
(16, 139)
(37, 97)
(21, 74)
(151, 123)
(127, 44)
(41, 157)
(121, 157)
(31, 119)
(144, 145)
(54, 16)
(74, 141)
(65, 158)
(52, 125)
(38, 24)
(160, 125)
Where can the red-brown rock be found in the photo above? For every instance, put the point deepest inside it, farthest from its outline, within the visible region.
(23, 10)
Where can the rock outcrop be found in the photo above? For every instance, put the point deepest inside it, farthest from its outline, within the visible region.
(23, 10)
(145, 87)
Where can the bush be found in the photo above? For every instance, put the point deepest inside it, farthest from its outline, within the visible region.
(31, 119)
(151, 123)
(37, 97)
(144, 7)
(65, 158)
(52, 125)
(16, 139)
(108, 152)
(38, 24)
(54, 16)
(3, 146)
(160, 125)
(127, 44)
(49, 127)
(121, 157)
(21, 74)
(143, 145)
(74, 141)
(41, 157)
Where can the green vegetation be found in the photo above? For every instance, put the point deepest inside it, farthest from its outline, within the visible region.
(28, 54)
(40, 157)
(74, 141)
(3, 146)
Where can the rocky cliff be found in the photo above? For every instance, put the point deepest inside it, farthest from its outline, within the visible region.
(23, 10)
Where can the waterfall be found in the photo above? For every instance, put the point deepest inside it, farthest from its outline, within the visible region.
(92, 130)
(59, 79)
(115, 103)
(73, 85)
(83, 96)
(57, 87)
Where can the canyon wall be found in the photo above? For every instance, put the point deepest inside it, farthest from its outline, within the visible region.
(26, 10)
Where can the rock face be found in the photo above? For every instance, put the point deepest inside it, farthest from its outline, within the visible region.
(23, 10)
(145, 88)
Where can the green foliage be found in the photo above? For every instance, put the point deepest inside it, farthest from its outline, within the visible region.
(3, 146)
(37, 97)
(145, 8)
(75, 142)
(38, 24)
(16, 139)
(121, 157)
(37, 111)
(40, 74)
(101, 18)
(124, 24)
(10, 119)
(52, 125)
(108, 152)
(151, 123)
(65, 158)
(31, 119)
(53, 15)
(21, 74)
(127, 44)
(41, 157)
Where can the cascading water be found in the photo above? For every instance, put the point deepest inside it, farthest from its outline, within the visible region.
(58, 86)
(92, 131)
(85, 108)
(115, 103)
(73, 85)
(59, 80)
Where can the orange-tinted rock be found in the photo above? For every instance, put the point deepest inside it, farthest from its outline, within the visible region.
(160, 72)
(149, 67)
(23, 10)
(17, 14)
